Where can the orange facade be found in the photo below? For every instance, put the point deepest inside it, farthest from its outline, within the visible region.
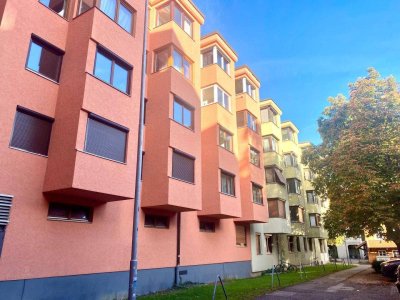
(72, 198)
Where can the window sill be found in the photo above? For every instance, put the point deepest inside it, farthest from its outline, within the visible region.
(229, 195)
(231, 152)
(68, 220)
(102, 157)
(43, 76)
(178, 179)
(29, 152)
(154, 227)
(241, 246)
(260, 204)
(245, 94)
(101, 80)
(180, 124)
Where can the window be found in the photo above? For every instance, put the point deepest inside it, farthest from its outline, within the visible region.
(207, 226)
(268, 243)
(117, 11)
(288, 134)
(310, 244)
(170, 57)
(258, 243)
(227, 183)
(183, 20)
(395, 253)
(269, 115)
(270, 144)
(183, 114)
(208, 57)
(156, 221)
(58, 6)
(296, 214)
(240, 235)
(163, 15)
(31, 131)
(243, 85)
(244, 118)
(222, 61)
(66, 212)
(214, 55)
(225, 139)
(112, 70)
(298, 246)
(44, 59)
(311, 197)
(85, 5)
(315, 220)
(257, 194)
(215, 94)
(252, 122)
(291, 243)
(274, 175)
(290, 160)
(105, 138)
(382, 253)
(181, 64)
(254, 156)
(182, 166)
(305, 244)
(161, 59)
(5, 209)
(276, 208)
(293, 186)
(308, 175)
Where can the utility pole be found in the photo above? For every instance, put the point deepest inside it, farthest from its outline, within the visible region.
(133, 269)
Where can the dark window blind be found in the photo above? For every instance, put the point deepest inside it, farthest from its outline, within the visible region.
(106, 139)
(31, 132)
(182, 167)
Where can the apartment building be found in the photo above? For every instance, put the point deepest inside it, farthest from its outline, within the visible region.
(295, 232)
(216, 160)
(69, 92)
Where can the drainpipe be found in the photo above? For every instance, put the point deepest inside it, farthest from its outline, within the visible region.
(133, 269)
(178, 248)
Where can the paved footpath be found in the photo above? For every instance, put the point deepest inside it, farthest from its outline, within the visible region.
(360, 282)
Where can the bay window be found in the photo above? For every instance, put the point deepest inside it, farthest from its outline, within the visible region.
(268, 114)
(214, 55)
(171, 57)
(288, 134)
(243, 85)
(215, 94)
(270, 143)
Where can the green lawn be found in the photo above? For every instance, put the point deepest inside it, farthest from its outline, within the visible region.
(248, 288)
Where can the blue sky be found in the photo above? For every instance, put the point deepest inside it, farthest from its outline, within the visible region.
(304, 51)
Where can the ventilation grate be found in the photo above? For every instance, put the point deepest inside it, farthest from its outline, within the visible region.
(5, 207)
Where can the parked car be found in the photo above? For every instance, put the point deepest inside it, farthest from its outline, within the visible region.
(388, 268)
(398, 278)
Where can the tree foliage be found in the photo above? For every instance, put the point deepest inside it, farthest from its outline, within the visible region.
(358, 161)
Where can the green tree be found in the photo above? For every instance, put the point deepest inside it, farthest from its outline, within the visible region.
(358, 161)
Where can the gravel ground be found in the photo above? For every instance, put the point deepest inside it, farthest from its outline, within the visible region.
(360, 282)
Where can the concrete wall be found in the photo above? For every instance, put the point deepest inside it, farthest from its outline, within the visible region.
(111, 286)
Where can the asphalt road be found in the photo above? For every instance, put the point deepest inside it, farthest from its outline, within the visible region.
(360, 282)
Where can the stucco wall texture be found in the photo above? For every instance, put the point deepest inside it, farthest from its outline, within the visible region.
(36, 247)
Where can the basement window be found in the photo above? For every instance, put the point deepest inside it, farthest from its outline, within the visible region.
(72, 213)
(156, 221)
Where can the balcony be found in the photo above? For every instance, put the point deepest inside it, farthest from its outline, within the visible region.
(273, 158)
(298, 228)
(245, 102)
(275, 190)
(277, 225)
(270, 128)
(290, 146)
(296, 199)
(292, 172)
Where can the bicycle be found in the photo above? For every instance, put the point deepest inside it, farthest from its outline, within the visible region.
(285, 267)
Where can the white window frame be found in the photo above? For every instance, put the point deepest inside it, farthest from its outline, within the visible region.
(226, 98)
